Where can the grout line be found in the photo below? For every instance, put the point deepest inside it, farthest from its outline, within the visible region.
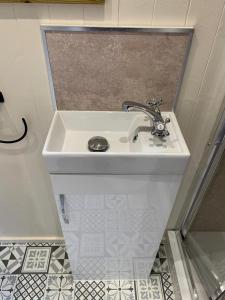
(83, 21)
(49, 18)
(153, 11)
(187, 13)
(14, 11)
(50, 12)
(135, 290)
(118, 13)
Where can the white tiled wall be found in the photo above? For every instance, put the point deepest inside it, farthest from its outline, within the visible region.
(170, 12)
(26, 204)
(133, 12)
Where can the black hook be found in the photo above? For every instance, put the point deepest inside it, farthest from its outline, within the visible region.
(2, 100)
(20, 138)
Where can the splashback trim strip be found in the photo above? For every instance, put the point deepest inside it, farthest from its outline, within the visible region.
(122, 29)
(189, 31)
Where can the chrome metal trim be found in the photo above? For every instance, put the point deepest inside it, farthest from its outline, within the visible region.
(219, 292)
(196, 199)
(221, 135)
(49, 71)
(119, 29)
(63, 209)
(185, 280)
(61, 28)
(217, 149)
(209, 280)
(186, 263)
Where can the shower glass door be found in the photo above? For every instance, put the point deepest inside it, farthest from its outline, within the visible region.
(205, 240)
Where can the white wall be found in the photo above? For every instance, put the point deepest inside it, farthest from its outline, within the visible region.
(26, 205)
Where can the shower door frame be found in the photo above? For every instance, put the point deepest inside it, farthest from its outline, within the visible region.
(213, 156)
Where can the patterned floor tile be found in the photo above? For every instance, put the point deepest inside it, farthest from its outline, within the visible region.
(150, 289)
(120, 290)
(7, 285)
(59, 262)
(11, 258)
(161, 261)
(40, 244)
(36, 260)
(45, 243)
(24, 267)
(89, 290)
(162, 251)
(10, 244)
(30, 287)
(59, 287)
(167, 286)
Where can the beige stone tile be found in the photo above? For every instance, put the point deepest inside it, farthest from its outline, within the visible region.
(102, 70)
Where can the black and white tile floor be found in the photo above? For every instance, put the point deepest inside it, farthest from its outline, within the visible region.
(35, 271)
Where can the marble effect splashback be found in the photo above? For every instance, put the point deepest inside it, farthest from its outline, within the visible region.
(100, 70)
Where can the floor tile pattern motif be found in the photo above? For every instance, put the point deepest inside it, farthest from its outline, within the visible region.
(89, 290)
(36, 258)
(41, 271)
(7, 284)
(30, 286)
(11, 257)
(60, 287)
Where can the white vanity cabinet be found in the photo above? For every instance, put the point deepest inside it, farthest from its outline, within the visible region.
(113, 206)
(113, 224)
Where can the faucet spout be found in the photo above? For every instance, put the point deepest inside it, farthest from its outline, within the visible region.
(151, 109)
(135, 106)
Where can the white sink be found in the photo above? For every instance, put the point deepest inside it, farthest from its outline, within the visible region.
(66, 148)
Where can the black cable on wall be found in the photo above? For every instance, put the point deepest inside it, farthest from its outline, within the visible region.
(2, 100)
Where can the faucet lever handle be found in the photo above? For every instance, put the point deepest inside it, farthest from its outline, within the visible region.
(167, 120)
(155, 102)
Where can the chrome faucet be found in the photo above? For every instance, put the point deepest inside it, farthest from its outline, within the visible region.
(151, 109)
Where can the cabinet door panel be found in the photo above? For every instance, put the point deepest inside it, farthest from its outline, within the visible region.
(113, 224)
